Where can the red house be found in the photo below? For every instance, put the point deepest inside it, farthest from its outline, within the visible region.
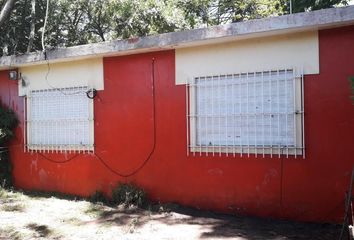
(249, 118)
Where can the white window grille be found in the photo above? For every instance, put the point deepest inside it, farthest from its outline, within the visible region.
(246, 113)
(60, 120)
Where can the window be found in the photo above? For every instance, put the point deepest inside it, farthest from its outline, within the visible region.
(257, 112)
(60, 120)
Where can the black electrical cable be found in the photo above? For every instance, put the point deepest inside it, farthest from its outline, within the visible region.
(53, 161)
(154, 134)
(154, 137)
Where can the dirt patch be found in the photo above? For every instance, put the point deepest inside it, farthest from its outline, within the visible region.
(53, 218)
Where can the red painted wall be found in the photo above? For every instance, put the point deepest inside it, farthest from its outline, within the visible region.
(310, 189)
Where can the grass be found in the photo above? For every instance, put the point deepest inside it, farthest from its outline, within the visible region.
(9, 194)
(11, 201)
(95, 210)
(41, 194)
(10, 233)
(72, 221)
(11, 207)
(2, 192)
(41, 216)
(41, 230)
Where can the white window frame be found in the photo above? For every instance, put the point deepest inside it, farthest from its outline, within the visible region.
(297, 149)
(50, 144)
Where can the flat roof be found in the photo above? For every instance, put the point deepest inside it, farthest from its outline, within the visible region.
(306, 21)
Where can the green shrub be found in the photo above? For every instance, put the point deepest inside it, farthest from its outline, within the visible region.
(128, 194)
(8, 121)
(5, 170)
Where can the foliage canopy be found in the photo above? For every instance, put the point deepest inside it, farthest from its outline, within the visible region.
(75, 22)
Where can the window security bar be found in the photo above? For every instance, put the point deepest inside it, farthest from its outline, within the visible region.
(247, 113)
(59, 120)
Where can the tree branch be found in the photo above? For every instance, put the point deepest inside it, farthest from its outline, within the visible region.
(6, 10)
(33, 26)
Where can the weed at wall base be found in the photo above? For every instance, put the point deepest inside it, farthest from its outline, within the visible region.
(129, 194)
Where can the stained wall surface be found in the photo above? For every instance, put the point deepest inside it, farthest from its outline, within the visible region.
(80, 73)
(310, 189)
(296, 50)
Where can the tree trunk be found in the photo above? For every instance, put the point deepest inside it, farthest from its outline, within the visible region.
(6, 10)
(5, 50)
(33, 26)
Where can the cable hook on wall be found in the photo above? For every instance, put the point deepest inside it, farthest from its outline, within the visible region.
(91, 93)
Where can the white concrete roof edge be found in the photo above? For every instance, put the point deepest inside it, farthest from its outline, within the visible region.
(320, 19)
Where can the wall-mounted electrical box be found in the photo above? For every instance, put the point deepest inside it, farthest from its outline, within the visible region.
(13, 75)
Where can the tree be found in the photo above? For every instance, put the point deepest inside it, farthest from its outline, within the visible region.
(99, 18)
(141, 18)
(214, 12)
(33, 26)
(311, 5)
(75, 22)
(14, 32)
(6, 10)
